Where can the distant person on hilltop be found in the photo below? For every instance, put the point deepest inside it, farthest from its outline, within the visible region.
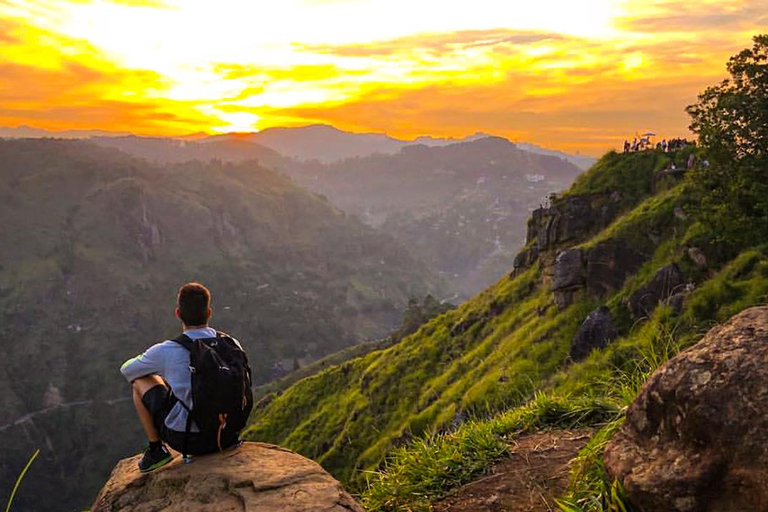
(194, 391)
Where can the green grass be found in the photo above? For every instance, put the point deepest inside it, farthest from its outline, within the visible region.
(629, 174)
(416, 475)
(422, 472)
(19, 480)
(479, 359)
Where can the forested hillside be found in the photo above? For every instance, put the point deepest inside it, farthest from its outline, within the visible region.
(95, 246)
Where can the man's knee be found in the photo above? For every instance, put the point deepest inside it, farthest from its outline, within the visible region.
(144, 384)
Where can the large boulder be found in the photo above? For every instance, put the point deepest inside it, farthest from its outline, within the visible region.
(696, 437)
(668, 281)
(597, 331)
(254, 476)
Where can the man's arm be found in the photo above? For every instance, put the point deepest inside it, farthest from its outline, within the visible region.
(150, 362)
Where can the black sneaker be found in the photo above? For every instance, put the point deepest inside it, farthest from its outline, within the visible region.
(154, 459)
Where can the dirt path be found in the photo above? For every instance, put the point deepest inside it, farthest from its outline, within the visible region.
(528, 481)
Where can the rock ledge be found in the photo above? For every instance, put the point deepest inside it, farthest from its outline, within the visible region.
(254, 476)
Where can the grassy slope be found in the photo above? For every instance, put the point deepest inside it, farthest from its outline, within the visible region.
(492, 353)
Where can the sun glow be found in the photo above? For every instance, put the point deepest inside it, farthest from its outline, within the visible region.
(405, 67)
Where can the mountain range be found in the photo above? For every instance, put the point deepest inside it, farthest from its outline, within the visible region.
(312, 142)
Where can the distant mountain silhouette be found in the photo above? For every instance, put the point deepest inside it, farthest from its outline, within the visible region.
(582, 161)
(313, 142)
(318, 142)
(458, 205)
(173, 150)
(29, 132)
(329, 144)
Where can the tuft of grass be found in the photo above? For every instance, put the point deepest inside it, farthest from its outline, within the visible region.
(416, 475)
(590, 489)
(20, 478)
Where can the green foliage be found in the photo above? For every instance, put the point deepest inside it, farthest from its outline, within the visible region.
(89, 280)
(417, 314)
(740, 284)
(731, 120)
(644, 225)
(19, 480)
(492, 353)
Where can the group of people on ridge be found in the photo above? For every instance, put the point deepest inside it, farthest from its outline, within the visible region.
(645, 143)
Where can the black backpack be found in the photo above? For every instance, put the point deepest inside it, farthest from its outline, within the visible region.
(221, 386)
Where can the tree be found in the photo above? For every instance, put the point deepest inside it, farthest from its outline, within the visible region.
(731, 121)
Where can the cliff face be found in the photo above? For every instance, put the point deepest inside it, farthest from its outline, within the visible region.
(252, 477)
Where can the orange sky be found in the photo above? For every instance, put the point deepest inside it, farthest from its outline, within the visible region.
(572, 75)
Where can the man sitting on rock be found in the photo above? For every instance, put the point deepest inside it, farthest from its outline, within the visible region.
(173, 381)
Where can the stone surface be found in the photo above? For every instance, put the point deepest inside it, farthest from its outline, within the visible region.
(572, 218)
(525, 259)
(608, 266)
(595, 332)
(696, 437)
(570, 270)
(697, 256)
(254, 476)
(668, 281)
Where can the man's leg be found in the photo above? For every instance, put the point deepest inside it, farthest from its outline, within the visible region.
(157, 454)
(141, 386)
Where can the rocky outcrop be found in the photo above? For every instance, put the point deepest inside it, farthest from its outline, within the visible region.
(569, 275)
(668, 281)
(696, 437)
(600, 270)
(608, 266)
(597, 331)
(572, 218)
(254, 476)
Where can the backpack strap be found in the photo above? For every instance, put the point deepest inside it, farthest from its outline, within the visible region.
(186, 342)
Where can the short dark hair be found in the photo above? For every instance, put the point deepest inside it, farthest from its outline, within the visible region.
(194, 301)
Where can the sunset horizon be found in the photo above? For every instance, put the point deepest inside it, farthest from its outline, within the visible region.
(576, 78)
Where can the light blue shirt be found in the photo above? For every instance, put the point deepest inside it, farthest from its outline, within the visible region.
(170, 361)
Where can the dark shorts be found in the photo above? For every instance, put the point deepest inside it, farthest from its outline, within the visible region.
(159, 401)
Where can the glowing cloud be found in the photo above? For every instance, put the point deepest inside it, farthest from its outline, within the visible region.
(575, 75)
